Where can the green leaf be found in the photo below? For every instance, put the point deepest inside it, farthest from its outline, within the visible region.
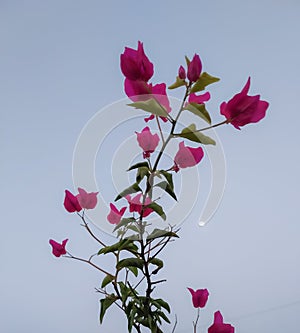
(178, 83)
(141, 173)
(157, 262)
(130, 262)
(107, 280)
(134, 270)
(169, 178)
(204, 80)
(125, 291)
(152, 106)
(163, 316)
(131, 189)
(162, 304)
(105, 304)
(138, 165)
(157, 209)
(166, 187)
(124, 222)
(158, 233)
(187, 60)
(130, 311)
(123, 244)
(199, 110)
(133, 228)
(192, 134)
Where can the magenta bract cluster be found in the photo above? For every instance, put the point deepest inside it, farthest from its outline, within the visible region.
(243, 109)
(58, 249)
(218, 325)
(199, 297)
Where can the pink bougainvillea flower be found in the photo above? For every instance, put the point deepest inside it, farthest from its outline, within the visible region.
(135, 204)
(87, 200)
(194, 68)
(218, 326)
(160, 94)
(115, 215)
(137, 90)
(200, 99)
(57, 248)
(243, 109)
(142, 91)
(147, 141)
(135, 65)
(181, 73)
(187, 156)
(199, 297)
(71, 202)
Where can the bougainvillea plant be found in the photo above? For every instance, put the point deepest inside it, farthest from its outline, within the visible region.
(136, 262)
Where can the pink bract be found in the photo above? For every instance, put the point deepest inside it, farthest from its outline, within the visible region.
(115, 215)
(194, 68)
(187, 156)
(199, 297)
(71, 203)
(57, 248)
(135, 204)
(135, 65)
(199, 99)
(218, 326)
(142, 91)
(87, 200)
(147, 141)
(243, 109)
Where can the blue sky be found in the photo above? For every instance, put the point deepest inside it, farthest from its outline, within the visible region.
(59, 65)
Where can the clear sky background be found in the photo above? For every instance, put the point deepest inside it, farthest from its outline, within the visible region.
(59, 65)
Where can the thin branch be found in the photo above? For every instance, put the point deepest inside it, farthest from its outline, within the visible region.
(173, 330)
(88, 262)
(89, 230)
(160, 131)
(196, 322)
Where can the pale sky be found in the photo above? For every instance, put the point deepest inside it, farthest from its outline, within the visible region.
(59, 65)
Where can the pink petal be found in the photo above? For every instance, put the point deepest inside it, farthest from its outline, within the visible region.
(218, 318)
(71, 203)
(87, 200)
(193, 98)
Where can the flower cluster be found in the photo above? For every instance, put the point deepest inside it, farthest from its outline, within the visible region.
(130, 281)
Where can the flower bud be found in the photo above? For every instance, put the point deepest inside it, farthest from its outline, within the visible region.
(194, 68)
(181, 73)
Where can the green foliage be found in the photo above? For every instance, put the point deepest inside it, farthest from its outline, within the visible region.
(158, 233)
(126, 291)
(160, 303)
(204, 80)
(151, 105)
(168, 176)
(131, 189)
(141, 173)
(130, 262)
(166, 187)
(107, 280)
(157, 262)
(192, 134)
(158, 210)
(105, 303)
(199, 110)
(187, 60)
(178, 83)
(124, 244)
(124, 222)
(138, 165)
